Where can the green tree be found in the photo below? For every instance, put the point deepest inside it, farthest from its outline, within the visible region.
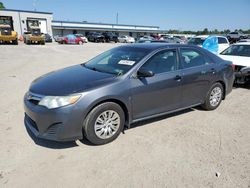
(2, 5)
(205, 32)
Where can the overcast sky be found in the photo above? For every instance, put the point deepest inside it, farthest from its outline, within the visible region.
(175, 14)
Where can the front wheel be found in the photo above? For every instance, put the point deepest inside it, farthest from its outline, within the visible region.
(15, 42)
(104, 123)
(214, 97)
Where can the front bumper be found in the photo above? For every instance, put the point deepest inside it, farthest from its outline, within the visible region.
(242, 75)
(7, 38)
(37, 39)
(61, 124)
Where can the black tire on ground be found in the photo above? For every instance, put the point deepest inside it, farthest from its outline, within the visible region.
(15, 42)
(207, 104)
(42, 42)
(89, 123)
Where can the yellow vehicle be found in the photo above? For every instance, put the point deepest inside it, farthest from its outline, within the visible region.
(34, 36)
(7, 35)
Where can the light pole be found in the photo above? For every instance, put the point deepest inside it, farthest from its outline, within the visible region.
(117, 17)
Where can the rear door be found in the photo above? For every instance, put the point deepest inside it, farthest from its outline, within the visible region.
(197, 71)
(160, 93)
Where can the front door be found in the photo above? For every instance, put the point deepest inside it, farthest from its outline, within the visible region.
(161, 92)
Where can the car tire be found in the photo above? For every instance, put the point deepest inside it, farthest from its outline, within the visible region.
(104, 123)
(214, 97)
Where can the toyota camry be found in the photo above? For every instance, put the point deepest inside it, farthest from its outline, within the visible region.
(127, 84)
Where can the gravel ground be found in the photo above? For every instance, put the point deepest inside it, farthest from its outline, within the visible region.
(192, 148)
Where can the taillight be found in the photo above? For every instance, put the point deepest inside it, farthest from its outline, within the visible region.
(233, 67)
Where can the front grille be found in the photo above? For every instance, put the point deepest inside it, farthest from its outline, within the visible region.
(53, 128)
(31, 122)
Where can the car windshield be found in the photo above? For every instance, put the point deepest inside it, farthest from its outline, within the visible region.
(196, 41)
(4, 28)
(237, 50)
(117, 61)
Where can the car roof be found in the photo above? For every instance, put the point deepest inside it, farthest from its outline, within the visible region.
(242, 43)
(155, 46)
(201, 36)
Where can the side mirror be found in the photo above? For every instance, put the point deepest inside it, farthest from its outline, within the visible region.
(142, 72)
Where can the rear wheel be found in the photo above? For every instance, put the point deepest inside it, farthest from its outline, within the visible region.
(214, 97)
(104, 123)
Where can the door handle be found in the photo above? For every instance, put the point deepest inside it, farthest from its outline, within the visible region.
(178, 78)
(212, 70)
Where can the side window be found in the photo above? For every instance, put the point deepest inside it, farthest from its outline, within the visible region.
(164, 61)
(192, 58)
(222, 40)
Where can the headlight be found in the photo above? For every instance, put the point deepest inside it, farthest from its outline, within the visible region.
(58, 101)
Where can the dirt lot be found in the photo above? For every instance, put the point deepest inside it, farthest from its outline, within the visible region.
(185, 149)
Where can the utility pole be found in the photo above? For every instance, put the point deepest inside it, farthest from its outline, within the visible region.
(34, 4)
(117, 17)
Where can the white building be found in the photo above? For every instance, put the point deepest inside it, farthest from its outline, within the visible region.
(69, 27)
(20, 20)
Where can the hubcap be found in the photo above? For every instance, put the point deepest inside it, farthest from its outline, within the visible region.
(215, 96)
(107, 124)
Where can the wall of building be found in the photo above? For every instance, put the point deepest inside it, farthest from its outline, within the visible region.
(51, 27)
(20, 20)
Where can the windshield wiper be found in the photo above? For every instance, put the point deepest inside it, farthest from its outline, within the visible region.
(91, 68)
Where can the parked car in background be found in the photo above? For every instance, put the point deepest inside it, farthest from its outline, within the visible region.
(48, 38)
(82, 37)
(182, 38)
(236, 35)
(147, 38)
(223, 42)
(126, 39)
(110, 37)
(151, 41)
(244, 40)
(71, 39)
(95, 37)
(197, 40)
(239, 54)
(174, 40)
(58, 38)
(124, 85)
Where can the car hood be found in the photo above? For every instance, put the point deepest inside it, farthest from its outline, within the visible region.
(70, 80)
(237, 60)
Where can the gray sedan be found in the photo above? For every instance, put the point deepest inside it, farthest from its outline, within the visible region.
(130, 83)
